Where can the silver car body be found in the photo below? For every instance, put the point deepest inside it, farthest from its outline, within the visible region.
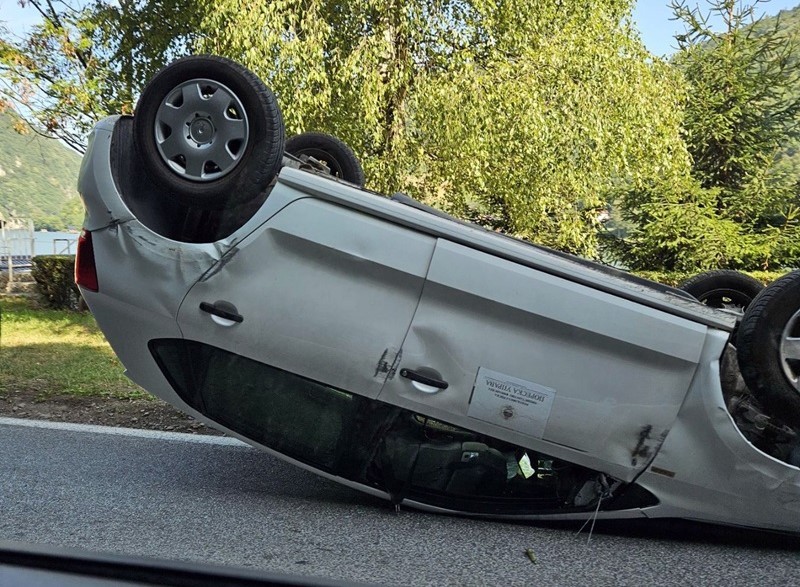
(343, 287)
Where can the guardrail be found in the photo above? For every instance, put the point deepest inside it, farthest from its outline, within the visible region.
(65, 250)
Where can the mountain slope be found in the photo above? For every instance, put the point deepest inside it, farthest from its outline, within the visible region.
(38, 179)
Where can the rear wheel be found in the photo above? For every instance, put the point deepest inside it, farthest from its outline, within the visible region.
(768, 347)
(331, 151)
(729, 290)
(209, 132)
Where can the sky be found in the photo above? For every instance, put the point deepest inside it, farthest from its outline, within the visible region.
(651, 16)
(658, 31)
(16, 18)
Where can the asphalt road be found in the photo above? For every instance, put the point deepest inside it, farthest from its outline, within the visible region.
(176, 498)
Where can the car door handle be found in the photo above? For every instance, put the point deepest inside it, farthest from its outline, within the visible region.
(222, 313)
(424, 379)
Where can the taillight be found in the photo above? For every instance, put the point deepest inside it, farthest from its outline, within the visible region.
(85, 271)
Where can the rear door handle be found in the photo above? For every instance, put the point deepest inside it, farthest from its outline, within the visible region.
(423, 379)
(216, 310)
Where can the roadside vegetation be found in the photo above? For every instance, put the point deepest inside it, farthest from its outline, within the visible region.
(535, 118)
(735, 206)
(57, 352)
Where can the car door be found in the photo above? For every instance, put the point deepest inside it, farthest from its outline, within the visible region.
(543, 362)
(320, 291)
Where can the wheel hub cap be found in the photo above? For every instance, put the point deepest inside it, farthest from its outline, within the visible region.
(201, 131)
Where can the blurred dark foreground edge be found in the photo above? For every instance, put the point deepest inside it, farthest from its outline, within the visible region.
(28, 565)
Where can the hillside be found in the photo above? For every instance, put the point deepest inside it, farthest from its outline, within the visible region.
(38, 179)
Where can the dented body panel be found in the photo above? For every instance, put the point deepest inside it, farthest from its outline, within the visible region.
(567, 386)
(328, 304)
(479, 311)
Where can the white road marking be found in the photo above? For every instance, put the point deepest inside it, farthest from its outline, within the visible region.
(137, 433)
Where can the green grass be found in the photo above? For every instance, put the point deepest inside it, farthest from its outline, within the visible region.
(57, 352)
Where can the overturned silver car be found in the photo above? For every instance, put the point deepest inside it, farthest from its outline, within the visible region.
(253, 283)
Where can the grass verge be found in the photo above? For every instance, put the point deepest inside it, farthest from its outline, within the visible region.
(57, 352)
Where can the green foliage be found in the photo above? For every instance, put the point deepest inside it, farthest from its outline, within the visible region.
(54, 275)
(37, 179)
(529, 117)
(519, 114)
(736, 210)
(675, 226)
(786, 170)
(739, 109)
(88, 60)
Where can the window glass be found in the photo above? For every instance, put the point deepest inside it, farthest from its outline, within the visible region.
(407, 455)
(290, 414)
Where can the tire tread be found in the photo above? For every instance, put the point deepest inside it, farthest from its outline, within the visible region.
(759, 367)
(264, 156)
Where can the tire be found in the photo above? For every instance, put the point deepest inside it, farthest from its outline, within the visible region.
(231, 137)
(769, 357)
(339, 158)
(723, 289)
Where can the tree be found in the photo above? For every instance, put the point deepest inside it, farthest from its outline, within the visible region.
(737, 210)
(83, 63)
(520, 114)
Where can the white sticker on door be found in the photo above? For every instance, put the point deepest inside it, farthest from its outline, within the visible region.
(522, 406)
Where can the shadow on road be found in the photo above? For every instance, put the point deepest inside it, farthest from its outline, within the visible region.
(686, 531)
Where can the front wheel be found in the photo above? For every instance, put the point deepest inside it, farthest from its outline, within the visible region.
(768, 347)
(209, 132)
